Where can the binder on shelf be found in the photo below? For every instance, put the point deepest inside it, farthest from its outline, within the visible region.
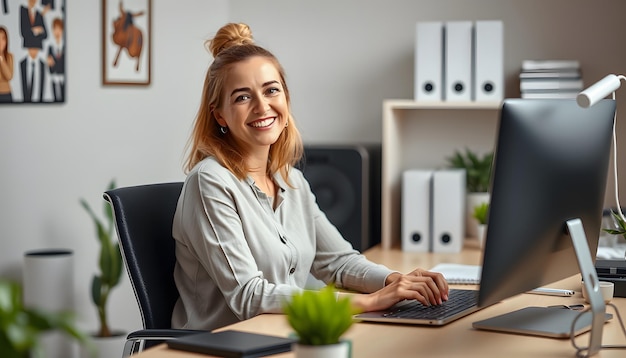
(489, 61)
(429, 61)
(458, 61)
(415, 213)
(448, 210)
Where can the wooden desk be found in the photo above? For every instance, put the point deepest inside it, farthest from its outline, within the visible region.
(453, 340)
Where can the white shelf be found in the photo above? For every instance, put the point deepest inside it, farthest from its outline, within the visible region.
(423, 135)
(411, 104)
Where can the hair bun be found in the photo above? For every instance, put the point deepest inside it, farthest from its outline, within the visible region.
(229, 35)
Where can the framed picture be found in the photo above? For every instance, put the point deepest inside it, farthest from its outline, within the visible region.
(126, 42)
(32, 51)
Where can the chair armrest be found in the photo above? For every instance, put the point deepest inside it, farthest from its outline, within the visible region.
(138, 340)
(160, 334)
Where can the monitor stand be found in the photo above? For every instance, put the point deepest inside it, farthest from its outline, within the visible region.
(557, 322)
(591, 282)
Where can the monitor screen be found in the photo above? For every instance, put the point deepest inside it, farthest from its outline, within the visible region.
(550, 165)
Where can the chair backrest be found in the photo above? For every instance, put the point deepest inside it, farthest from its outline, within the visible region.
(143, 219)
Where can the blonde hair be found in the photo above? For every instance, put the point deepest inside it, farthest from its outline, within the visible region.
(5, 52)
(234, 43)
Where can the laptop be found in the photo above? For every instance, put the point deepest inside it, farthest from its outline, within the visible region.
(460, 303)
(231, 343)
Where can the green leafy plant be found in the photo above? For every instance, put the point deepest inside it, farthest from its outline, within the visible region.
(480, 213)
(319, 317)
(20, 326)
(621, 225)
(110, 263)
(478, 169)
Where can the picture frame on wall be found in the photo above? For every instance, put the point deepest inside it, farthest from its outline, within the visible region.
(126, 42)
(32, 51)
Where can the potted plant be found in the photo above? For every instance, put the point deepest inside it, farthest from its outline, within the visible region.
(478, 176)
(620, 225)
(480, 214)
(319, 319)
(110, 266)
(21, 326)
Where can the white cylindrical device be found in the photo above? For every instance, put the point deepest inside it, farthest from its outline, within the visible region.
(598, 91)
(49, 286)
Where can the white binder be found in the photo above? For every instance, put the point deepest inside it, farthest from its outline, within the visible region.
(415, 213)
(458, 61)
(448, 210)
(489, 61)
(429, 61)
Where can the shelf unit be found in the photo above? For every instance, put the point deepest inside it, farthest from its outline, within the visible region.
(423, 135)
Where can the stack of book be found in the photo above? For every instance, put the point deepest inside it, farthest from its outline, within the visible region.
(550, 79)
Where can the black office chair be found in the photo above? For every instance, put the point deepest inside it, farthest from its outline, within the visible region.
(143, 220)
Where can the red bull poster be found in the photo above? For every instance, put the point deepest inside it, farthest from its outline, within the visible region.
(32, 51)
(126, 42)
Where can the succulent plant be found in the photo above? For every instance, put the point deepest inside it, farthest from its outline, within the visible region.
(319, 317)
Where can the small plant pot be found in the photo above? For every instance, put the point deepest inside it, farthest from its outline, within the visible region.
(481, 233)
(105, 347)
(342, 349)
(472, 201)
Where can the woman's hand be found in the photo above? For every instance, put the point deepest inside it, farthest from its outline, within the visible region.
(429, 288)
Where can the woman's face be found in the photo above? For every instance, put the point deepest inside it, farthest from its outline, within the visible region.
(254, 105)
(3, 41)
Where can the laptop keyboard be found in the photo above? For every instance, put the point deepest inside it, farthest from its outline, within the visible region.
(458, 301)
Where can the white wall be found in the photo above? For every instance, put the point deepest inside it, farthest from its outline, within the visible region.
(342, 59)
(52, 155)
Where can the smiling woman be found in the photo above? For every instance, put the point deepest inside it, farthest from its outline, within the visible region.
(248, 229)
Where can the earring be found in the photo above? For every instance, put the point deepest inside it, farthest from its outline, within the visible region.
(223, 130)
(286, 124)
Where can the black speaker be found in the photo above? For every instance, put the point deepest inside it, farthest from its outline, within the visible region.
(346, 182)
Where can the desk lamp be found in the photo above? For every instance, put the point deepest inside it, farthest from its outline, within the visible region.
(589, 97)
(585, 99)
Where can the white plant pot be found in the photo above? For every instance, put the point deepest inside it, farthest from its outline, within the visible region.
(472, 200)
(48, 285)
(482, 231)
(105, 347)
(339, 350)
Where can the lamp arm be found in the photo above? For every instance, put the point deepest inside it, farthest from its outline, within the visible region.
(616, 191)
(599, 90)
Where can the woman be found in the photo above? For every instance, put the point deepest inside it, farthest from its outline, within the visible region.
(247, 228)
(6, 67)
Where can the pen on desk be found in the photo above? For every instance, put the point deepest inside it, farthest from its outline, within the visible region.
(552, 292)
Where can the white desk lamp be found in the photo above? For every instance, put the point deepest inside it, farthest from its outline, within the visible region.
(606, 86)
(590, 96)
(585, 99)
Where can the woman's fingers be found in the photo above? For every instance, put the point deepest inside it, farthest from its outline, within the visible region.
(422, 288)
(429, 288)
(440, 281)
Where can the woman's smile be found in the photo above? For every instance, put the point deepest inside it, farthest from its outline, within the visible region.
(263, 123)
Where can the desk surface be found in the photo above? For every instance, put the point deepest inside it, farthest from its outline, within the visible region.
(455, 339)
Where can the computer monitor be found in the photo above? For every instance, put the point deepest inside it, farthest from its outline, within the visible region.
(550, 165)
(547, 194)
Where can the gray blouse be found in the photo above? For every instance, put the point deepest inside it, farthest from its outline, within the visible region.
(236, 257)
